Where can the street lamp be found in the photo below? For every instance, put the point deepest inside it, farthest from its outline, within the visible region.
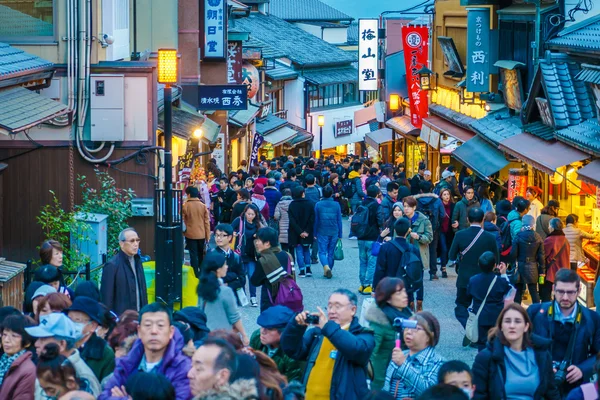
(321, 123)
(426, 76)
(394, 104)
(198, 133)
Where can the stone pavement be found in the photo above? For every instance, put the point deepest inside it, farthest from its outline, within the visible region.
(439, 299)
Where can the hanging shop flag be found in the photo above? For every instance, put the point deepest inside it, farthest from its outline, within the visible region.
(256, 143)
(368, 54)
(234, 62)
(517, 183)
(215, 29)
(416, 56)
(478, 50)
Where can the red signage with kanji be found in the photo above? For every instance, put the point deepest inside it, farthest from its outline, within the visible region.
(416, 56)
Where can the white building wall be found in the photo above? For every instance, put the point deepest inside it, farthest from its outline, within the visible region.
(294, 102)
(312, 29)
(335, 35)
(331, 117)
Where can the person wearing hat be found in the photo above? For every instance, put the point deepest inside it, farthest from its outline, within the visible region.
(258, 198)
(58, 328)
(272, 322)
(445, 182)
(52, 276)
(32, 307)
(533, 194)
(93, 349)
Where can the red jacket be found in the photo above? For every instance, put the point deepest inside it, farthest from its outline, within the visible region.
(555, 257)
(19, 381)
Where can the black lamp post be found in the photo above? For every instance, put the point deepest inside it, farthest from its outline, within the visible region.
(394, 105)
(321, 122)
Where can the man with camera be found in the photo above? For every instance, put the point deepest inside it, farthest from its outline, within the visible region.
(573, 328)
(337, 349)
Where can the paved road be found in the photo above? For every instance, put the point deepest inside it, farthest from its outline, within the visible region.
(439, 299)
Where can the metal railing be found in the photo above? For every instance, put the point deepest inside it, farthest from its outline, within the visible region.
(85, 270)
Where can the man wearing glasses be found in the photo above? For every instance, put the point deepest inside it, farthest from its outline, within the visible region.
(235, 278)
(573, 328)
(123, 285)
(337, 349)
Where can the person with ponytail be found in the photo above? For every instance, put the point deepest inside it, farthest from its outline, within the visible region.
(216, 299)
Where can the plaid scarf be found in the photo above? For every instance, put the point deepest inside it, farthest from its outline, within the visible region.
(5, 363)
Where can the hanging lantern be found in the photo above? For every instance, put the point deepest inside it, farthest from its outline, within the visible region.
(573, 182)
(250, 78)
(557, 177)
(426, 78)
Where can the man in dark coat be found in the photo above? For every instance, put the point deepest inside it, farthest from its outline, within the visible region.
(123, 284)
(301, 232)
(337, 350)
(468, 262)
(226, 197)
(565, 316)
(235, 278)
(387, 204)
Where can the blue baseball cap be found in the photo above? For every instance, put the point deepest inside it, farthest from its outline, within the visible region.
(56, 324)
(275, 317)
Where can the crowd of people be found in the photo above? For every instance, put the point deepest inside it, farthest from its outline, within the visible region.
(259, 229)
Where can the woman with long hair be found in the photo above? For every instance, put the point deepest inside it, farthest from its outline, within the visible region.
(388, 228)
(446, 231)
(516, 364)
(244, 229)
(556, 252)
(217, 300)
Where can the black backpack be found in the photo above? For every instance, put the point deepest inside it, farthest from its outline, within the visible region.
(506, 238)
(410, 269)
(349, 188)
(429, 211)
(360, 222)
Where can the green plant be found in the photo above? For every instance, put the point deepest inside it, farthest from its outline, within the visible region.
(62, 226)
(108, 200)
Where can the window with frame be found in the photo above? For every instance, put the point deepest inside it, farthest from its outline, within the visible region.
(27, 20)
(332, 95)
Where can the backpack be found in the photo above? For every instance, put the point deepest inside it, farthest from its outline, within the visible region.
(289, 293)
(410, 269)
(506, 239)
(349, 188)
(359, 225)
(428, 210)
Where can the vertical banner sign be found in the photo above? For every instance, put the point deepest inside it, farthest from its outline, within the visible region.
(215, 29)
(219, 152)
(416, 56)
(517, 183)
(478, 50)
(256, 143)
(368, 53)
(234, 62)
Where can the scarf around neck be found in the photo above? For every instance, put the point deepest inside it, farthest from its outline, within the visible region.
(5, 363)
(273, 269)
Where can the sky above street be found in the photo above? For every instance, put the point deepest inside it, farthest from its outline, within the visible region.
(370, 9)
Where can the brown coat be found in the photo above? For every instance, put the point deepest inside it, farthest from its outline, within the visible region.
(19, 381)
(555, 258)
(196, 218)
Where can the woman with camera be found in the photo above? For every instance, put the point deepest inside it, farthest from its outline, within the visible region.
(391, 302)
(515, 364)
(413, 371)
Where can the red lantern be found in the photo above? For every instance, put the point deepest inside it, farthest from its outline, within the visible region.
(517, 183)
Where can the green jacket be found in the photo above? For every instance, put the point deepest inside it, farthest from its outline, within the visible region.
(98, 355)
(461, 212)
(293, 370)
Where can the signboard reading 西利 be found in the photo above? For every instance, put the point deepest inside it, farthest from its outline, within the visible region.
(368, 53)
(343, 128)
(222, 97)
(215, 29)
(478, 50)
(416, 56)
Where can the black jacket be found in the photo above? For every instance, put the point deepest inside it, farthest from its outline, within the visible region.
(226, 207)
(302, 219)
(469, 265)
(238, 209)
(118, 284)
(354, 348)
(489, 372)
(389, 257)
(528, 251)
(587, 342)
(374, 219)
(259, 278)
(235, 278)
(477, 289)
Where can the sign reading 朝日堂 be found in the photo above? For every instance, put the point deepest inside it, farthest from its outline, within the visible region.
(478, 50)
(222, 97)
(368, 54)
(416, 56)
(215, 29)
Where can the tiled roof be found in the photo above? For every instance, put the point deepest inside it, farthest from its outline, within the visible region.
(325, 24)
(584, 36)
(460, 119)
(569, 99)
(302, 136)
(281, 72)
(299, 46)
(330, 76)
(497, 126)
(269, 124)
(15, 62)
(12, 20)
(589, 73)
(540, 130)
(584, 136)
(402, 124)
(268, 52)
(22, 109)
(185, 123)
(353, 33)
(244, 117)
(306, 10)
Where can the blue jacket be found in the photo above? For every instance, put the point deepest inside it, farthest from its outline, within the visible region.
(313, 194)
(494, 230)
(328, 218)
(273, 196)
(477, 290)
(354, 348)
(389, 258)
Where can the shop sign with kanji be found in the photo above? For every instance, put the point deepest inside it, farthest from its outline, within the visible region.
(415, 41)
(478, 50)
(215, 29)
(368, 54)
(222, 97)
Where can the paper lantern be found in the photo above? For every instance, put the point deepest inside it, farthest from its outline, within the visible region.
(557, 177)
(250, 78)
(573, 183)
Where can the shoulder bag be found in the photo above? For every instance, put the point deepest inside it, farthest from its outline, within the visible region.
(241, 238)
(465, 251)
(472, 327)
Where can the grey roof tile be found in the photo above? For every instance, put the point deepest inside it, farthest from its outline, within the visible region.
(306, 10)
(353, 33)
(330, 76)
(585, 136)
(281, 72)
(22, 108)
(12, 20)
(584, 36)
(15, 62)
(497, 126)
(299, 46)
(269, 124)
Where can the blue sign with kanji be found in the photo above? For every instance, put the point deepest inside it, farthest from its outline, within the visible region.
(222, 97)
(478, 50)
(215, 29)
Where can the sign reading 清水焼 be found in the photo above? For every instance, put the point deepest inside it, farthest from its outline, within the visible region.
(368, 54)
(215, 29)
(343, 128)
(478, 50)
(416, 56)
(222, 97)
(234, 62)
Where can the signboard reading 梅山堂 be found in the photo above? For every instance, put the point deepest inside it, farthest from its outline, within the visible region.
(478, 50)
(343, 128)
(368, 53)
(215, 29)
(222, 97)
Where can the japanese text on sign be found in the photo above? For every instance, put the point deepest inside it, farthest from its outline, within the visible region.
(222, 97)
(367, 54)
(478, 54)
(416, 56)
(234, 62)
(215, 28)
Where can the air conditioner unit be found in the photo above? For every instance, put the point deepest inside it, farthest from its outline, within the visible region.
(115, 23)
(107, 108)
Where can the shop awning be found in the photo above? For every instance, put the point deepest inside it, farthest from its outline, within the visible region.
(23, 109)
(374, 112)
(185, 123)
(448, 128)
(280, 136)
(543, 155)
(244, 117)
(269, 124)
(375, 138)
(590, 173)
(403, 126)
(481, 157)
(301, 136)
